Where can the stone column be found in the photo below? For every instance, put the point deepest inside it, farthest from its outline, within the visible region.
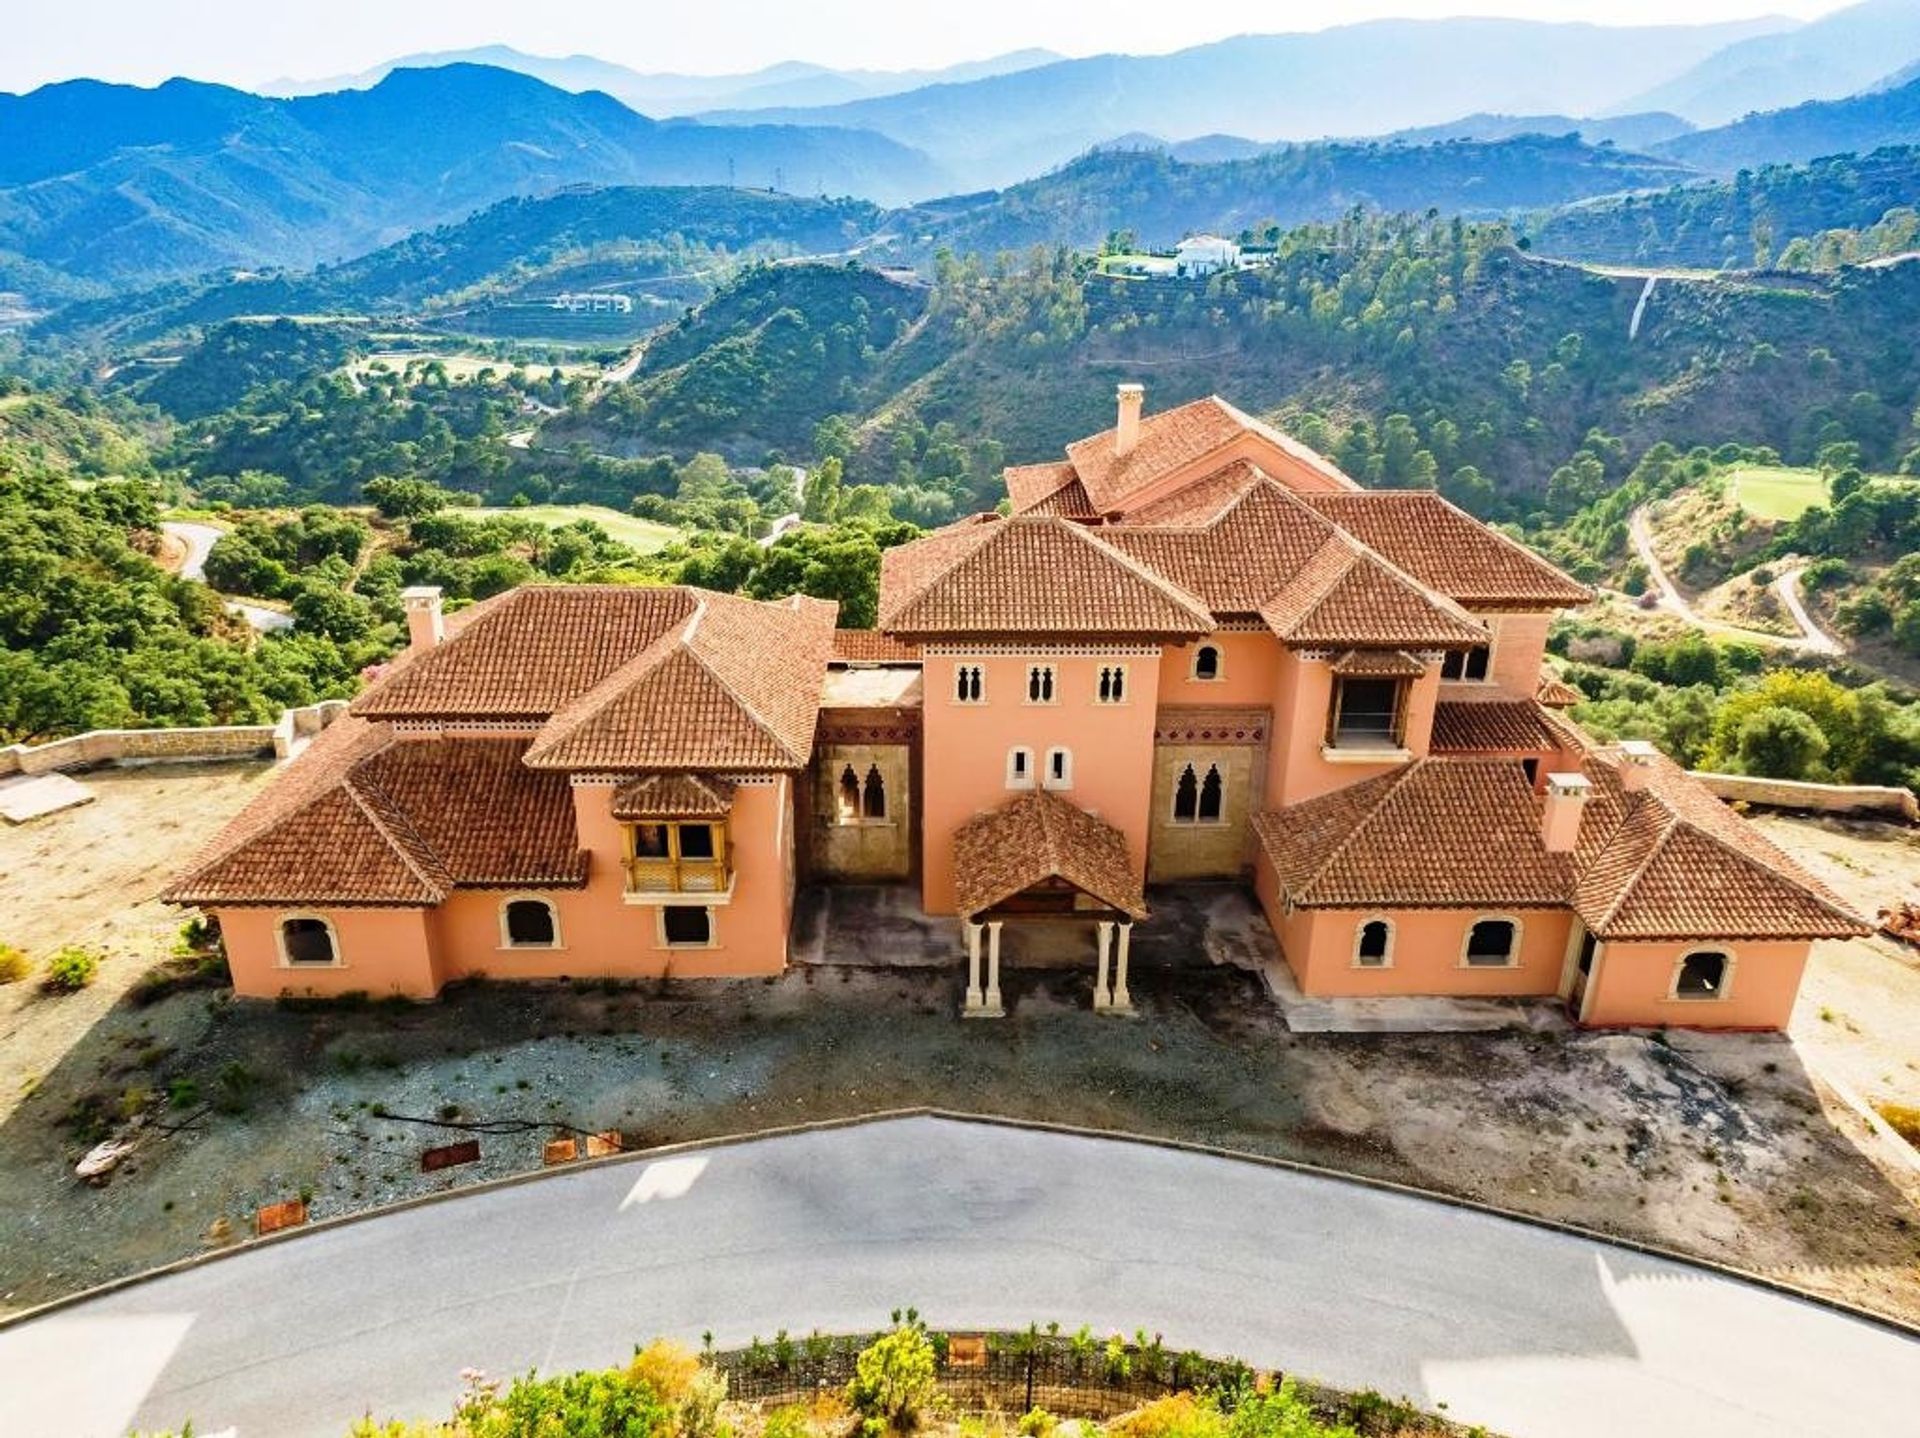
(1122, 1000)
(992, 995)
(973, 965)
(1101, 995)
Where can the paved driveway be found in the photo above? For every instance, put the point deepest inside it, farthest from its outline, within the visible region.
(1528, 1331)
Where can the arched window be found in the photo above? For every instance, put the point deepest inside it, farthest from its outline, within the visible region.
(873, 801)
(1206, 662)
(1040, 684)
(1373, 944)
(968, 685)
(1059, 769)
(306, 939)
(529, 924)
(1020, 767)
(1186, 796)
(1703, 975)
(1113, 684)
(847, 796)
(1493, 944)
(1210, 795)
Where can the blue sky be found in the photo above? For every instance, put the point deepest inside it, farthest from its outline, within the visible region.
(246, 42)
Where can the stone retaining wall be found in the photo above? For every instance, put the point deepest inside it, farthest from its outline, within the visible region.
(1888, 801)
(163, 746)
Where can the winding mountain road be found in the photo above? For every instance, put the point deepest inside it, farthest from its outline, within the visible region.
(1786, 587)
(1536, 1333)
(199, 541)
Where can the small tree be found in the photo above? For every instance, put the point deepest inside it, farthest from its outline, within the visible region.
(893, 1379)
(71, 969)
(1781, 743)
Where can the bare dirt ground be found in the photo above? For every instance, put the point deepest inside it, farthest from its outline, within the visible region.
(1727, 1147)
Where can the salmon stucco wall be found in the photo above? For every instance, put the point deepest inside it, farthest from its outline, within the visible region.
(1632, 985)
(1427, 953)
(1298, 768)
(1519, 650)
(1249, 672)
(379, 952)
(967, 747)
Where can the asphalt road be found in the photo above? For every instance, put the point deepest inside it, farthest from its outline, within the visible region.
(1528, 1331)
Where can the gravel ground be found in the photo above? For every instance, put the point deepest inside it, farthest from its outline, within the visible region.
(1722, 1147)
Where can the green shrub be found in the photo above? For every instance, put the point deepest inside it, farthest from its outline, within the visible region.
(14, 965)
(71, 969)
(893, 1379)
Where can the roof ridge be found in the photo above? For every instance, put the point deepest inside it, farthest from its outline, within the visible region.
(1395, 781)
(1173, 591)
(350, 783)
(620, 678)
(1672, 821)
(744, 705)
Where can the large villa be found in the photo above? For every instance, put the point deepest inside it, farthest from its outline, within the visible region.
(1194, 650)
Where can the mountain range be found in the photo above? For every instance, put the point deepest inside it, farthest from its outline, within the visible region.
(664, 94)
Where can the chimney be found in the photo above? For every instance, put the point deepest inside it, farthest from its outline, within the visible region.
(426, 626)
(1636, 760)
(1127, 433)
(1560, 815)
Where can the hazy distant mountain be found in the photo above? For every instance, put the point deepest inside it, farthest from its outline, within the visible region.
(122, 185)
(1161, 198)
(1825, 59)
(664, 93)
(1629, 132)
(1805, 132)
(1354, 79)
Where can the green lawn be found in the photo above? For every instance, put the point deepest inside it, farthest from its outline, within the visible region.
(1777, 492)
(641, 534)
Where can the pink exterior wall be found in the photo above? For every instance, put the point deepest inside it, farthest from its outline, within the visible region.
(967, 746)
(1427, 955)
(1297, 769)
(1519, 649)
(381, 952)
(1632, 985)
(1249, 672)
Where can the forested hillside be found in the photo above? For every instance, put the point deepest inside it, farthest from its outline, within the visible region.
(1776, 215)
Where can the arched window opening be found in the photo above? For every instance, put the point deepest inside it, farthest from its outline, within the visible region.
(873, 803)
(307, 941)
(1113, 683)
(1210, 795)
(1376, 937)
(847, 802)
(1206, 662)
(530, 924)
(1702, 976)
(1020, 768)
(1490, 943)
(1186, 796)
(1040, 684)
(967, 685)
(1059, 769)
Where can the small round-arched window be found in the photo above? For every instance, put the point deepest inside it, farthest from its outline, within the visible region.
(308, 941)
(1373, 944)
(530, 924)
(1206, 662)
(1703, 975)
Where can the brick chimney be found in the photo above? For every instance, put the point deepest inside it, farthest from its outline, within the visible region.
(1560, 814)
(1127, 433)
(426, 626)
(1636, 762)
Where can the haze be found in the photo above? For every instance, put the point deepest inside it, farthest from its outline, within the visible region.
(238, 42)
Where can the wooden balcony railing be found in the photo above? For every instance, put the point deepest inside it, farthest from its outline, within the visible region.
(679, 876)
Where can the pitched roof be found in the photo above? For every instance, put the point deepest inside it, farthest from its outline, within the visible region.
(735, 687)
(366, 817)
(1028, 484)
(674, 796)
(1039, 836)
(1466, 726)
(528, 653)
(1170, 439)
(1448, 549)
(1345, 595)
(1680, 864)
(1378, 664)
(1027, 575)
(1555, 693)
(870, 646)
(1436, 833)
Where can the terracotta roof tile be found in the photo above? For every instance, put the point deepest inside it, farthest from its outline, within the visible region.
(1555, 693)
(1029, 484)
(1036, 837)
(1170, 439)
(1344, 595)
(674, 796)
(1438, 833)
(1379, 664)
(1448, 549)
(1028, 575)
(1238, 559)
(870, 646)
(528, 653)
(367, 817)
(1069, 501)
(736, 687)
(1488, 726)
